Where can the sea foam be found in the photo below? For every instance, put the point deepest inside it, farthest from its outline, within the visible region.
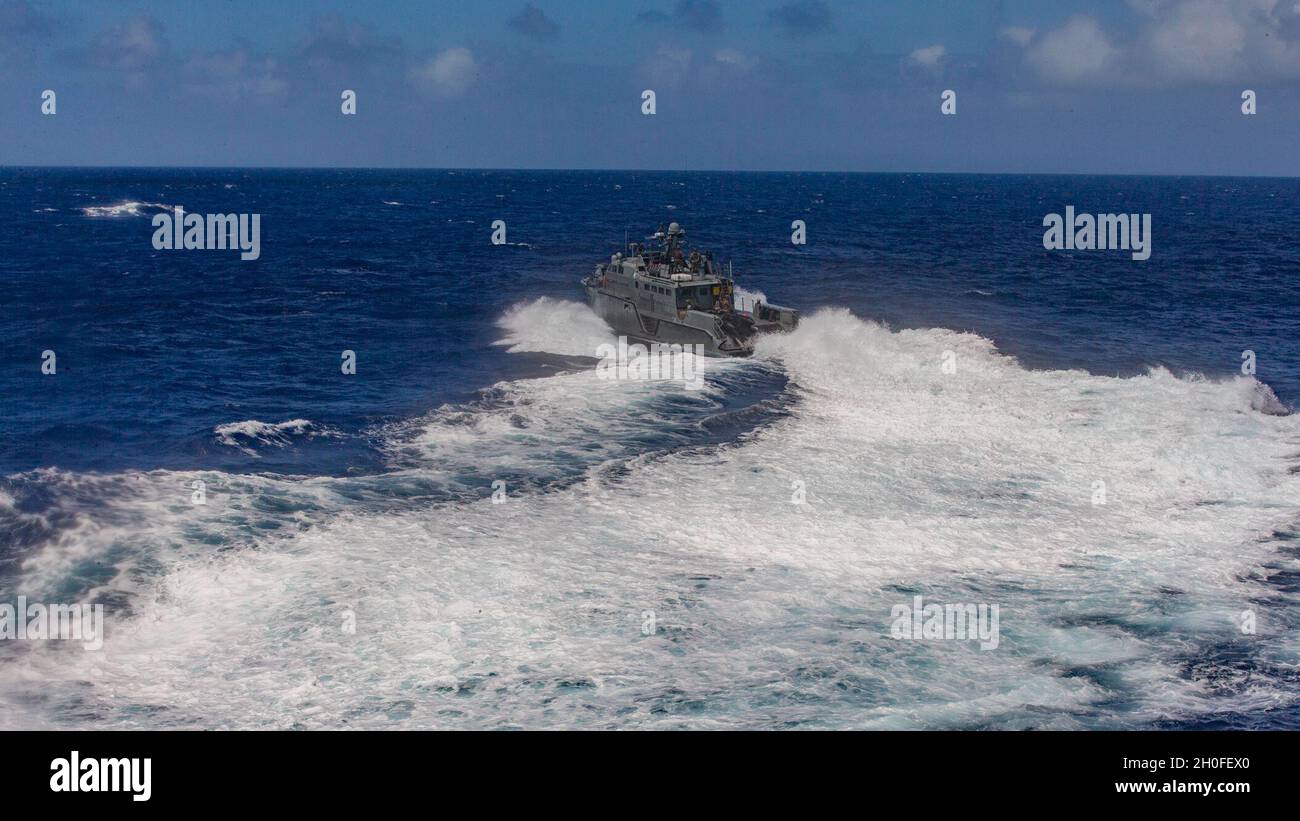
(688, 588)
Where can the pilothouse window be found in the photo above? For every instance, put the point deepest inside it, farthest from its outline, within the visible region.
(700, 297)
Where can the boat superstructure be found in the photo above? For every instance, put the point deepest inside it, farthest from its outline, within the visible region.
(662, 291)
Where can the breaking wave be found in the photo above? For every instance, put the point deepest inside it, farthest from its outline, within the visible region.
(249, 434)
(553, 326)
(126, 208)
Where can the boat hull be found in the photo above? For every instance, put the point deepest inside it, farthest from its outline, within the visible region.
(623, 316)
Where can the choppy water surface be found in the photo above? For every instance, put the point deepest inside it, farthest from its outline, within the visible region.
(335, 498)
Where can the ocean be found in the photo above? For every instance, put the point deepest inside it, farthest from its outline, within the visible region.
(475, 531)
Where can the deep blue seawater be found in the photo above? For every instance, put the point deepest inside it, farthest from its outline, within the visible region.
(333, 491)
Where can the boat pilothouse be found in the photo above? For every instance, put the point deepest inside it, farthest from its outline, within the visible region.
(662, 291)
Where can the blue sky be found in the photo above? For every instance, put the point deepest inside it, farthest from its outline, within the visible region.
(1114, 86)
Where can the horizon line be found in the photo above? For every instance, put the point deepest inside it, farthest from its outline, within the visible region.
(6, 166)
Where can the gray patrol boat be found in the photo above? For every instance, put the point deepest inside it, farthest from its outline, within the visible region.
(662, 292)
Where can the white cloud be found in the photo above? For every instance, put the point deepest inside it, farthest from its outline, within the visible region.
(1076, 51)
(231, 75)
(1198, 39)
(1225, 40)
(131, 46)
(1017, 34)
(1179, 40)
(449, 74)
(929, 57)
(732, 57)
